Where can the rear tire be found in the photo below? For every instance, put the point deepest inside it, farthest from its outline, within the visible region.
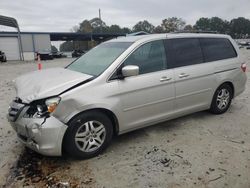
(88, 135)
(222, 99)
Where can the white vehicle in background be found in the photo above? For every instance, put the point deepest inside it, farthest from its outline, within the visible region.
(122, 85)
(243, 44)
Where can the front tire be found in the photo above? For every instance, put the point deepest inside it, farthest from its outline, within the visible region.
(222, 99)
(88, 135)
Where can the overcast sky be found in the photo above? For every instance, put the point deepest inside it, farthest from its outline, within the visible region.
(62, 15)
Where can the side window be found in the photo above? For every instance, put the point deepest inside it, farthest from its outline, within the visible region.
(150, 57)
(217, 49)
(185, 51)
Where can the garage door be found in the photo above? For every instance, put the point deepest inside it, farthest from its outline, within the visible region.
(9, 45)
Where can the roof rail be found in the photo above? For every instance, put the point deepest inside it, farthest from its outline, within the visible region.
(196, 31)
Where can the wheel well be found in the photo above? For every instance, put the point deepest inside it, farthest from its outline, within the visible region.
(108, 113)
(231, 85)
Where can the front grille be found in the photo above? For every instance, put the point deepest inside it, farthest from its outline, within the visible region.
(24, 138)
(14, 110)
(31, 111)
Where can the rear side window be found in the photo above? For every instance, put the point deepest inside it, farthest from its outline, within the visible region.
(217, 49)
(185, 51)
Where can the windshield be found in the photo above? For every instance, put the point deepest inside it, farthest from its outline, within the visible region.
(99, 58)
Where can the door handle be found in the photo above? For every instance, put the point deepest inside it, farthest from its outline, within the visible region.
(164, 78)
(183, 75)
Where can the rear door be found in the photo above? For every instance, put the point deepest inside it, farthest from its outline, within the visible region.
(193, 78)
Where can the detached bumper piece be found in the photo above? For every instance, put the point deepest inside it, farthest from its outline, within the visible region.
(14, 110)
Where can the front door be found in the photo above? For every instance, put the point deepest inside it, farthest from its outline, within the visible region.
(149, 96)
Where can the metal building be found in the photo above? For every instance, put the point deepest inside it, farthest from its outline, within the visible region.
(7, 43)
(23, 45)
(30, 43)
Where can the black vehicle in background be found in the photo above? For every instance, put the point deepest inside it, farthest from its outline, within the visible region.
(44, 55)
(77, 53)
(2, 57)
(58, 54)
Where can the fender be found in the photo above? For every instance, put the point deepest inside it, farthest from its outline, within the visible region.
(66, 110)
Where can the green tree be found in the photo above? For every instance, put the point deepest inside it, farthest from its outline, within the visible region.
(172, 24)
(126, 30)
(66, 46)
(85, 27)
(97, 22)
(143, 26)
(188, 28)
(202, 24)
(158, 29)
(219, 25)
(53, 49)
(240, 27)
(212, 24)
(98, 25)
(115, 29)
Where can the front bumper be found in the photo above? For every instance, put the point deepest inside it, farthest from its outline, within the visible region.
(43, 135)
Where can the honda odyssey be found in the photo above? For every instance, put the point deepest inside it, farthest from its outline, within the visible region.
(122, 85)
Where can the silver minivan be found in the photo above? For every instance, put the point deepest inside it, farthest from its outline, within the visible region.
(122, 85)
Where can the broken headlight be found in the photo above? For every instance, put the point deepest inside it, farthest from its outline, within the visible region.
(42, 108)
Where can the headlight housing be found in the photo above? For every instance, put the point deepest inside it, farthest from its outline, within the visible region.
(43, 107)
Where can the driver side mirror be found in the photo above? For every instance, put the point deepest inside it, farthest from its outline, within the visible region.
(130, 70)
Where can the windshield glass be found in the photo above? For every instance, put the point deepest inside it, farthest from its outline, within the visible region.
(99, 58)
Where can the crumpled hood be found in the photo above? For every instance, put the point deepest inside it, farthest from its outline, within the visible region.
(45, 83)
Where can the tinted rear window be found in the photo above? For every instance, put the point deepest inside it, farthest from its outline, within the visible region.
(186, 51)
(217, 49)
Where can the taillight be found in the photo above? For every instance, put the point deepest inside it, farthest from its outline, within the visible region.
(244, 67)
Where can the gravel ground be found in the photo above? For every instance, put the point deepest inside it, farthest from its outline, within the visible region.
(198, 150)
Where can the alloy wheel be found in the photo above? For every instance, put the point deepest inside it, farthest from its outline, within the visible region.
(223, 99)
(90, 136)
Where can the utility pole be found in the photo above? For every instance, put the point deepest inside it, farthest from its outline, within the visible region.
(100, 18)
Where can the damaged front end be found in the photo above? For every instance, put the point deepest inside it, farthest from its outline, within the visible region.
(36, 126)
